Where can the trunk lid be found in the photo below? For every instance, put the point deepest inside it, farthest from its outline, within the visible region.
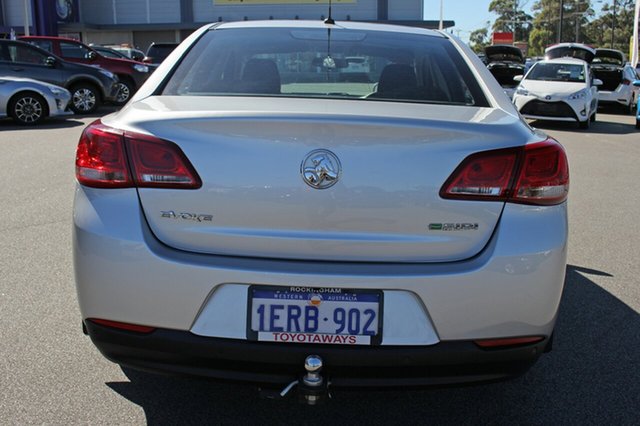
(384, 206)
(570, 50)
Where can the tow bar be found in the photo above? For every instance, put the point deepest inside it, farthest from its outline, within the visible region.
(313, 389)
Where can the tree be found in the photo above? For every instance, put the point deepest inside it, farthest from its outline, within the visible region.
(601, 30)
(511, 18)
(479, 39)
(547, 28)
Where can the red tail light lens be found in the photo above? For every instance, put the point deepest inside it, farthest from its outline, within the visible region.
(110, 158)
(101, 159)
(626, 82)
(534, 174)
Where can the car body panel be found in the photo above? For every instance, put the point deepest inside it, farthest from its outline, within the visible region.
(347, 223)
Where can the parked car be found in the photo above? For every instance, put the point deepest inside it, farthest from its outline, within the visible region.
(29, 101)
(617, 77)
(561, 89)
(637, 84)
(131, 74)
(505, 62)
(89, 86)
(251, 214)
(158, 52)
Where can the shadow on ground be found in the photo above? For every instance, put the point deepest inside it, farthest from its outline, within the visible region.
(590, 377)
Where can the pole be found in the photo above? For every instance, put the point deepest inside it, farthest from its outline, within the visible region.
(26, 17)
(441, 27)
(613, 25)
(560, 21)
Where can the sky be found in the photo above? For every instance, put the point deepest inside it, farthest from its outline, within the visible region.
(469, 15)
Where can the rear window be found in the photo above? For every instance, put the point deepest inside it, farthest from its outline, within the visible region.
(322, 63)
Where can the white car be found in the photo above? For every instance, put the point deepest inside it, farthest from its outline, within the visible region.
(617, 77)
(253, 213)
(561, 89)
(30, 101)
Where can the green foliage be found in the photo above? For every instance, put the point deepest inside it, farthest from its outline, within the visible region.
(479, 39)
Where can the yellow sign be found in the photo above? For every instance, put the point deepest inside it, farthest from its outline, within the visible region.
(227, 2)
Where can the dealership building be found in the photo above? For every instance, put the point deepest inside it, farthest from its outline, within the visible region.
(140, 22)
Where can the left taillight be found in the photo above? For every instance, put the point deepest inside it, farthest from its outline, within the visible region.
(111, 158)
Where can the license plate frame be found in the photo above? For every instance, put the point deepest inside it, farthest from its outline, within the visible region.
(375, 340)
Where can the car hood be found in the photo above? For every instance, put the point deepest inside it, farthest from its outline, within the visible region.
(503, 53)
(609, 57)
(570, 50)
(551, 88)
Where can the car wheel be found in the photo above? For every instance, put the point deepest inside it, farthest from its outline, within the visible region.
(28, 109)
(593, 117)
(637, 124)
(125, 90)
(85, 99)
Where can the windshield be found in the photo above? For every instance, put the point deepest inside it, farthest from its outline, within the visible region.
(338, 63)
(557, 72)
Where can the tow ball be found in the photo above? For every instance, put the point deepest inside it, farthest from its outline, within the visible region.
(313, 389)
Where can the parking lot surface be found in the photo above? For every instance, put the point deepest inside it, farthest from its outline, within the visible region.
(50, 373)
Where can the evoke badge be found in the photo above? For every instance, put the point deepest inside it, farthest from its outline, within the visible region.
(320, 169)
(195, 217)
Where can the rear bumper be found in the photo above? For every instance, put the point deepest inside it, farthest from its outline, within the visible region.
(183, 353)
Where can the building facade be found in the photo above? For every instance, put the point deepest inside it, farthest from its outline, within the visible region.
(140, 22)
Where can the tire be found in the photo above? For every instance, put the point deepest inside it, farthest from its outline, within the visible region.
(638, 124)
(28, 108)
(594, 117)
(125, 91)
(85, 98)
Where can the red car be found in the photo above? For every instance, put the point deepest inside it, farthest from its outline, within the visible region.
(130, 73)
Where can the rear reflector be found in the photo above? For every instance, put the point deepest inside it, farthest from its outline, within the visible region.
(112, 158)
(123, 325)
(533, 174)
(511, 341)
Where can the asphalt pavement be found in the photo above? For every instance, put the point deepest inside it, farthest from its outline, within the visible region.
(50, 373)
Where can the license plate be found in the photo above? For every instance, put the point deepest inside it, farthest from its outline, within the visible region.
(315, 315)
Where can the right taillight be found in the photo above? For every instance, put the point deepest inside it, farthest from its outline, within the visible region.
(537, 174)
(112, 158)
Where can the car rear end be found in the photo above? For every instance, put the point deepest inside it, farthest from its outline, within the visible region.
(227, 226)
(617, 78)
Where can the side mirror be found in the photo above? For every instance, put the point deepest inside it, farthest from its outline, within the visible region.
(518, 78)
(636, 83)
(597, 82)
(50, 61)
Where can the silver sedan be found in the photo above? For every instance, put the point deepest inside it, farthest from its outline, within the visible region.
(29, 101)
(282, 196)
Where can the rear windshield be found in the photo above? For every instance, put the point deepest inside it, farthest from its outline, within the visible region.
(323, 63)
(557, 72)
